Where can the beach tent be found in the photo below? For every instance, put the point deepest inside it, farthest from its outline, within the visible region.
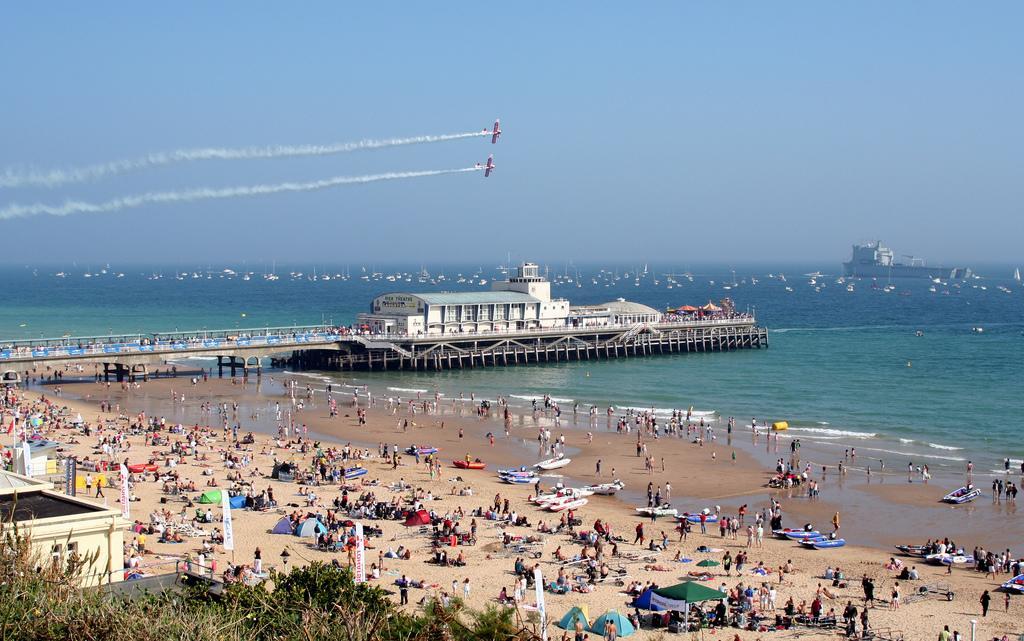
(237, 502)
(568, 622)
(711, 307)
(284, 526)
(622, 625)
(310, 527)
(679, 596)
(283, 472)
(210, 496)
(421, 517)
(707, 563)
(643, 602)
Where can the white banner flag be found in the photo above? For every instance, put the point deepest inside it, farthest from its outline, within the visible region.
(26, 457)
(360, 569)
(538, 584)
(229, 534)
(125, 502)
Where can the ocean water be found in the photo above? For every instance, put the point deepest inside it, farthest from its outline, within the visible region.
(846, 369)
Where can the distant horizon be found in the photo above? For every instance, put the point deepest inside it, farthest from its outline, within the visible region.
(554, 267)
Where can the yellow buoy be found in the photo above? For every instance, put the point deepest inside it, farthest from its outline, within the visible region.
(780, 426)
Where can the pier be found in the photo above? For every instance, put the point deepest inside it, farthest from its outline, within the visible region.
(507, 348)
(343, 349)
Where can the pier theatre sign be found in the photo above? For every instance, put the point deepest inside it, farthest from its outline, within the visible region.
(398, 303)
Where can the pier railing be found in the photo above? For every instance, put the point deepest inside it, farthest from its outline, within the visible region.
(299, 337)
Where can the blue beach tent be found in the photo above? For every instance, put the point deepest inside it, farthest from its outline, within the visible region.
(284, 526)
(310, 527)
(643, 602)
(623, 626)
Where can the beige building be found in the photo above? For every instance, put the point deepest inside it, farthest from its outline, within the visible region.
(58, 525)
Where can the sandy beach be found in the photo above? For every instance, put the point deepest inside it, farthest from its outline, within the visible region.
(698, 481)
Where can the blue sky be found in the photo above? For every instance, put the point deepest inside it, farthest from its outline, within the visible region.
(725, 132)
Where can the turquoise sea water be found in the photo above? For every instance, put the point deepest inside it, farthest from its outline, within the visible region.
(844, 368)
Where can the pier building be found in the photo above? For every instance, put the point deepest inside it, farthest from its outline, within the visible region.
(522, 302)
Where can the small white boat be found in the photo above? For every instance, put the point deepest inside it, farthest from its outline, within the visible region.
(949, 559)
(565, 494)
(963, 495)
(519, 480)
(568, 505)
(605, 489)
(662, 510)
(553, 463)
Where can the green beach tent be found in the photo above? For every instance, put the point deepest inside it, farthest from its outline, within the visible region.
(707, 563)
(679, 596)
(210, 496)
(623, 627)
(568, 622)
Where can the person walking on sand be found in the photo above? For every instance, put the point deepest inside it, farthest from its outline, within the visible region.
(639, 534)
(835, 521)
(986, 598)
(610, 632)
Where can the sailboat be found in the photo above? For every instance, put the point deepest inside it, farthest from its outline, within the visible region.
(1016, 274)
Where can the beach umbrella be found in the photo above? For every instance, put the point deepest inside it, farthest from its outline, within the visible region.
(707, 563)
(688, 308)
(568, 622)
(623, 626)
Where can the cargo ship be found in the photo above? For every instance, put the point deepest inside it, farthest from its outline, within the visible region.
(874, 260)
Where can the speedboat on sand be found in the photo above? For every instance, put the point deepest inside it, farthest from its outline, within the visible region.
(553, 463)
(823, 543)
(911, 550)
(784, 533)
(567, 505)
(803, 535)
(519, 480)
(963, 495)
(564, 494)
(950, 559)
(423, 450)
(606, 489)
(1016, 584)
(662, 510)
(694, 517)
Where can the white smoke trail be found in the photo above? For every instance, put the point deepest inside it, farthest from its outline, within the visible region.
(55, 177)
(189, 195)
